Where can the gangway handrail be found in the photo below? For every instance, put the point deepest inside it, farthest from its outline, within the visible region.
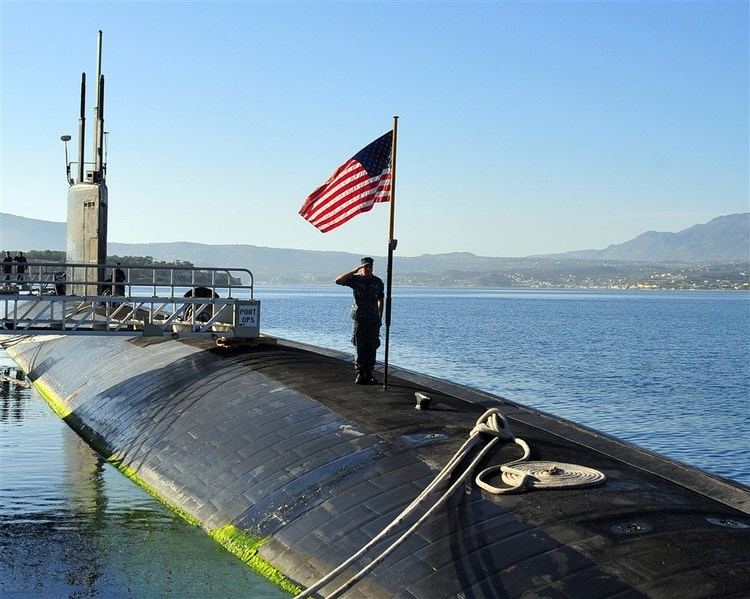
(80, 275)
(78, 298)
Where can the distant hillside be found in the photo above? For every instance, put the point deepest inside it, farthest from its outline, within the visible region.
(267, 264)
(20, 233)
(723, 239)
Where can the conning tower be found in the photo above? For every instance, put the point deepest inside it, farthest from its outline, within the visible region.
(87, 195)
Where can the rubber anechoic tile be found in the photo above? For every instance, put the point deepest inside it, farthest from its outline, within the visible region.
(502, 552)
(346, 524)
(398, 497)
(301, 495)
(296, 407)
(314, 521)
(397, 459)
(274, 416)
(341, 497)
(473, 576)
(399, 572)
(452, 520)
(297, 430)
(311, 450)
(542, 571)
(595, 584)
(282, 470)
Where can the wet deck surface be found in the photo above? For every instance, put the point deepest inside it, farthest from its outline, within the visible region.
(653, 534)
(279, 441)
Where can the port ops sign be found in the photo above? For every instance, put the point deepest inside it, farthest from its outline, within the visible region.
(247, 319)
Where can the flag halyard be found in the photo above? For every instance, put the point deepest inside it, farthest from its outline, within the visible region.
(355, 187)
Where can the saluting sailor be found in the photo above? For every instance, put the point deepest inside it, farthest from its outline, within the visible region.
(367, 314)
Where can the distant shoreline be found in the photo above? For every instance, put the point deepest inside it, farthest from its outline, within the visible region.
(262, 285)
(290, 269)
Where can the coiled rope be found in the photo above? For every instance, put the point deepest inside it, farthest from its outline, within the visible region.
(539, 475)
(518, 474)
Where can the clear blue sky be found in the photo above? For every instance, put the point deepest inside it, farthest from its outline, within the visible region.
(525, 127)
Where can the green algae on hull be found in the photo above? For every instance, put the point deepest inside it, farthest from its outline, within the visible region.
(235, 541)
(58, 406)
(132, 474)
(246, 547)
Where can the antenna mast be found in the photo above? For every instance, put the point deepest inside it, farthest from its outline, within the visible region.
(98, 112)
(81, 128)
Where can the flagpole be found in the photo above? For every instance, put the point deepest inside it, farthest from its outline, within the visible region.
(391, 246)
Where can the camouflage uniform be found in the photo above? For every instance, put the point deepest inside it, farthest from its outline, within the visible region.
(366, 320)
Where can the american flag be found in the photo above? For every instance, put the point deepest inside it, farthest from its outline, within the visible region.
(353, 188)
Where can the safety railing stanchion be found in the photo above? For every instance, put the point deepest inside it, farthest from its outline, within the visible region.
(77, 299)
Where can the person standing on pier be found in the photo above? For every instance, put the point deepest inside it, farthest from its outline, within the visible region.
(7, 266)
(118, 276)
(367, 312)
(20, 266)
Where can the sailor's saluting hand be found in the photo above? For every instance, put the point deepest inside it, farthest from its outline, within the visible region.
(365, 267)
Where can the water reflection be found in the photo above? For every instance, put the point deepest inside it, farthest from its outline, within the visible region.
(87, 505)
(72, 526)
(13, 389)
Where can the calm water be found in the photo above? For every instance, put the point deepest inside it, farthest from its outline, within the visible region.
(669, 371)
(72, 526)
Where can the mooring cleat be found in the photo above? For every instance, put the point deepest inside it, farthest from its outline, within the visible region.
(423, 401)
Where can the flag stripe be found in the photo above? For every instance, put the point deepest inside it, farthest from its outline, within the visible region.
(342, 190)
(356, 178)
(361, 202)
(349, 202)
(341, 219)
(341, 174)
(348, 216)
(345, 197)
(322, 203)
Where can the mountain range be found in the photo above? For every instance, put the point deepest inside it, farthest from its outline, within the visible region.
(724, 239)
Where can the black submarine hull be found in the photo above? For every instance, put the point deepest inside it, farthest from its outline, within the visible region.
(279, 457)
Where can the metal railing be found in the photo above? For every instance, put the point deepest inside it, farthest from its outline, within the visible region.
(43, 277)
(81, 298)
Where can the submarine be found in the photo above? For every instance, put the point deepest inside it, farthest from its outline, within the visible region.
(427, 490)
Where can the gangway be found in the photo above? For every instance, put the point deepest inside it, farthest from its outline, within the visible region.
(126, 299)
